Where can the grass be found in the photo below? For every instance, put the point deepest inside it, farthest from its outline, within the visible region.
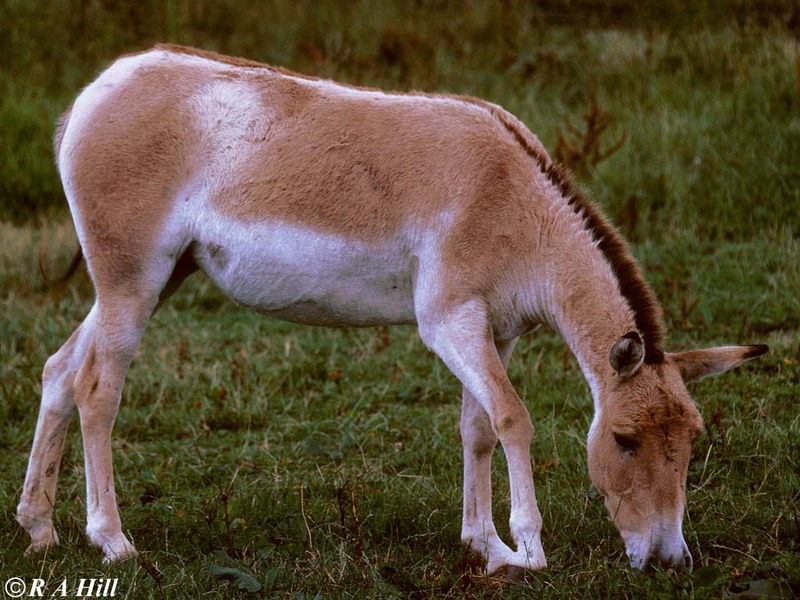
(319, 463)
(322, 463)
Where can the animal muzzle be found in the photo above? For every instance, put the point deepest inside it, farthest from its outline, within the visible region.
(664, 546)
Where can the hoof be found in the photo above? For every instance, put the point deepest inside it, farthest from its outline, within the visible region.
(512, 573)
(515, 567)
(34, 549)
(41, 541)
(519, 575)
(119, 555)
(116, 548)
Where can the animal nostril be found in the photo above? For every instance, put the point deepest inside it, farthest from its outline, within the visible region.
(680, 564)
(688, 563)
(647, 563)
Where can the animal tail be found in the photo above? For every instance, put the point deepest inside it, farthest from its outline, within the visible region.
(58, 136)
(56, 285)
(60, 283)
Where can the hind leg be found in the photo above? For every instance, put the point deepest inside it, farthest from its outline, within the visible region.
(123, 311)
(35, 509)
(88, 372)
(121, 319)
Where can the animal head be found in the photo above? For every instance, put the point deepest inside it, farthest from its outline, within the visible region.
(641, 441)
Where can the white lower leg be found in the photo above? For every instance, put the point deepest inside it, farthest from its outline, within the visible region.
(525, 520)
(98, 389)
(103, 524)
(97, 412)
(478, 531)
(477, 527)
(35, 509)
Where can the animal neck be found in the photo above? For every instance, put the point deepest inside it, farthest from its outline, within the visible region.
(587, 284)
(593, 291)
(587, 309)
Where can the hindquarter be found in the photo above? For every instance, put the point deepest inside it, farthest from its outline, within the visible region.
(125, 155)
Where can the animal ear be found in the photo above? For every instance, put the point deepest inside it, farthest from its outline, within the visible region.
(627, 354)
(697, 364)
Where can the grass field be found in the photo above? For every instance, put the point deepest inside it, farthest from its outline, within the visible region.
(327, 463)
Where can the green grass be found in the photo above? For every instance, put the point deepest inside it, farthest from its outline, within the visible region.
(325, 465)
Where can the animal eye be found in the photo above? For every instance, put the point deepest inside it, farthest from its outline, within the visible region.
(626, 442)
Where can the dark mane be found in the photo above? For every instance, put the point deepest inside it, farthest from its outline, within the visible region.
(632, 284)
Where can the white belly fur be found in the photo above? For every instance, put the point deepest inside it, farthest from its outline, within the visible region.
(306, 277)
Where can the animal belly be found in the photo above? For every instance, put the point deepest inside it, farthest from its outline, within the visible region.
(306, 277)
(345, 302)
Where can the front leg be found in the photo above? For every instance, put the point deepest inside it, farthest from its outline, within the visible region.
(461, 337)
(478, 531)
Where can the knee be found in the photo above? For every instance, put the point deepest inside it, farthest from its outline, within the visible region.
(477, 436)
(54, 369)
(515, 428)
(96, 397)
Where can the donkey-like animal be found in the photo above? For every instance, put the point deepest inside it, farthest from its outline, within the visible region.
(327, 204)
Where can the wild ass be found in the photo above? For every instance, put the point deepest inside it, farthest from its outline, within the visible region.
(327, 204)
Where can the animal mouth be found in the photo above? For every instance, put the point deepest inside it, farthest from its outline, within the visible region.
(679, 559)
